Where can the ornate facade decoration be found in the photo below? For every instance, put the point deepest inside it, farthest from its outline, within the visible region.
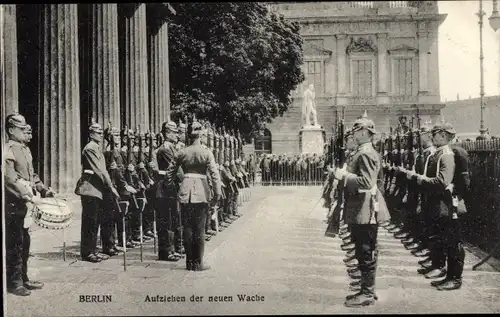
(361, 45)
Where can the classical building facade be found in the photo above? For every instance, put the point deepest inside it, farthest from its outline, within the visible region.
(65, 64)
(378, 56)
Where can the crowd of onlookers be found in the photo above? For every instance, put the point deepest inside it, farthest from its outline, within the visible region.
(286, 169)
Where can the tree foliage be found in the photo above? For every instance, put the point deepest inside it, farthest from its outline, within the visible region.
(234, 64)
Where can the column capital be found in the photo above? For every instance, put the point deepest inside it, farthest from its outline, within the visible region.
(158, 14)
(423, 34)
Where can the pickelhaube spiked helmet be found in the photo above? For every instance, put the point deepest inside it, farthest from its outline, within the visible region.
(364, 123)
(444, 127)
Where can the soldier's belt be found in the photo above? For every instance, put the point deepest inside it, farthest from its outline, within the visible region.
(91, 172)
(372, 191)
(194, 175)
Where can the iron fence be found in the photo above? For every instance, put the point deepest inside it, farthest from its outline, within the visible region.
(481, 225)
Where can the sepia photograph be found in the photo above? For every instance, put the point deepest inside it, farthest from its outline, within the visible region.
(250, 158)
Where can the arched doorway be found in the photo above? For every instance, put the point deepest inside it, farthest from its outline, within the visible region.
(263, 142)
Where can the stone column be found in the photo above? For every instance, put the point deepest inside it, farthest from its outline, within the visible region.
(342, 70)
(159, 89)
(330, 63)
(423, 48)
(383, 72)
(134, 66)
(59, 98)
(100, 67)
(8, 49)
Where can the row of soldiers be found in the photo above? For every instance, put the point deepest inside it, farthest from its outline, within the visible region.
(413, 183)
(298, 169)
(130, 178)
(426, 184)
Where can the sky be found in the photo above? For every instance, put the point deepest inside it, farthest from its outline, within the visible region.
(459, 70)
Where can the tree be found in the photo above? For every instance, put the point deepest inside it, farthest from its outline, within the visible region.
(234, 64)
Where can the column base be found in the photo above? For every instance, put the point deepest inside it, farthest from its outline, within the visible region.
(383, 99)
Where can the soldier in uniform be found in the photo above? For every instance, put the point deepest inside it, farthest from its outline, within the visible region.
(194, 195)
(364, 208)
(20, 185)
(116, 169)
(425, 224)
(94, 187)
(169, 229)
(438, 182)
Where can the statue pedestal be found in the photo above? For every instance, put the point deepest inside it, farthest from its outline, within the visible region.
(311, 139)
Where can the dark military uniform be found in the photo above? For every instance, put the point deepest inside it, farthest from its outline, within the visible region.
(95, 187)
(20, 183)
(167, 211)
(438, 183)
(364, 209)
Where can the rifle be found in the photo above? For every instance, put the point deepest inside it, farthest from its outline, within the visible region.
(339, 161)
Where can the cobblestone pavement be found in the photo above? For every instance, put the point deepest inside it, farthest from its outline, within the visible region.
(276, 253)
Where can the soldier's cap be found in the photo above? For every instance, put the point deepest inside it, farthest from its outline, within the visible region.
(16, 120)
(169, 126)
(95, 127)
(444, 127)
(196, 129)
(364, 123)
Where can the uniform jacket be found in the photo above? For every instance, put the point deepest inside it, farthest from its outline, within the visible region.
(438, 179)
(196, 161)
(117, 174)
(363, 172)
(98, 182)
(20, 178)
(165, 158)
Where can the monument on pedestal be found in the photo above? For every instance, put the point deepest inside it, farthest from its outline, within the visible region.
(311, 135)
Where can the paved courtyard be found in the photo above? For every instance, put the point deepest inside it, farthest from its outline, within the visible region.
(273, 260)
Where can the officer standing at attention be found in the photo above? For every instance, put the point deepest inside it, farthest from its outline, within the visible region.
(194, 195)
(20, 185)
(438, 181)
(362, 198)
(167, 212)
(93, 187)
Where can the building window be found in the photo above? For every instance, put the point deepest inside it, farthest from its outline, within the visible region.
(313, 75)
(403, 72)
(362, 77)
(263, 142)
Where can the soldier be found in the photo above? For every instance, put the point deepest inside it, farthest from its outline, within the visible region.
(148, 175)
(116, 169)
(194, 195)
(362, 207)
(438, 181)
(168, 214)
(425, 224)
(94, 187)
(21, 182)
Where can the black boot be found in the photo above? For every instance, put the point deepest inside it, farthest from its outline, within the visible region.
(366, 296)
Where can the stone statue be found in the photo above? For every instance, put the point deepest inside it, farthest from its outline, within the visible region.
(309, 106)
